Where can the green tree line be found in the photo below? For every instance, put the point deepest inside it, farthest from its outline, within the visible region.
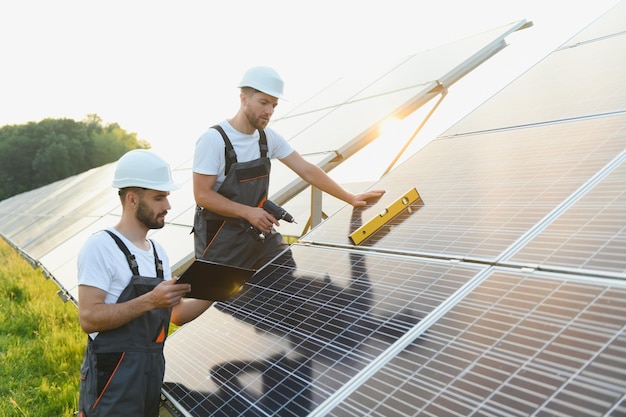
(38, 153)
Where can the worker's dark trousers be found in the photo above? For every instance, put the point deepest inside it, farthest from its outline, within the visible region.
(121, 383)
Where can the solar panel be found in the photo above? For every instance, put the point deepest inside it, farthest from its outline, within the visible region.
(27, 218)
(590, 236)
(610, 24)
(428, 70)
(338, 123)
(569, 83)
(333, 120)
(296, 335)
(517, 345)
(60, 263)
(481, 193)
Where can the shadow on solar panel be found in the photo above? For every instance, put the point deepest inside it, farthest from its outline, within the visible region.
(329, 320)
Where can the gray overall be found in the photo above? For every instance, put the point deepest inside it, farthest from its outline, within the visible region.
(229, 240)
(123, 368)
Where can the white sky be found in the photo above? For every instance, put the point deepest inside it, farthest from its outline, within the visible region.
(169, 70)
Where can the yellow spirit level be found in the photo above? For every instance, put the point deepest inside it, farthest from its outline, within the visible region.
(365, 231)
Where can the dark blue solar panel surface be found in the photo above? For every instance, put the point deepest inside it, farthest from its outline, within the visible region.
(296, 335)
(514, 345)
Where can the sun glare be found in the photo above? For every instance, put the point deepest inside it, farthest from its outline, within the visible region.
(390, 127)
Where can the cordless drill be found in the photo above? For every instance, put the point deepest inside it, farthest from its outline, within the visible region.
(275, 210)
(278, 212)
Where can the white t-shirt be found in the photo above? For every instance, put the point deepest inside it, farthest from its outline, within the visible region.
(103, 265)
(209, 159)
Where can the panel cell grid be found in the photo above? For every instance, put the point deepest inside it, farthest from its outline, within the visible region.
(479, 194)
(589, 236)
(297, 334)
(516, 345)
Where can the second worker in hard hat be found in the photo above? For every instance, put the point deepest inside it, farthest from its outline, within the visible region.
(231, 170)
(127, 297)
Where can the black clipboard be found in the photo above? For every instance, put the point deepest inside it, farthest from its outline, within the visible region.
(214, 281)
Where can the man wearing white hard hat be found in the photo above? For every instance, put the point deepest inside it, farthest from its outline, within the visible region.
(231, 169)
(127, 297)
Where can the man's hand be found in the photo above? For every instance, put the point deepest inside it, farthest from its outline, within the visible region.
(168, 293)
(261, 219)
(96, 316)
(360, 200)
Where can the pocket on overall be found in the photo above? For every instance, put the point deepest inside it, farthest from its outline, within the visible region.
(204, 231)
(87, 389)
(106, 365)
(233, 244)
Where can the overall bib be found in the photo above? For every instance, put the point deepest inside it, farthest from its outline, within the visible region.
(229, 240)
(122, 371)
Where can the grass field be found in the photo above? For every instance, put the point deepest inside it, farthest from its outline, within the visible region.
(41, 343)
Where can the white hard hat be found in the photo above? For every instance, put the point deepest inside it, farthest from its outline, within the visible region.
(264, 79)
(145, 169)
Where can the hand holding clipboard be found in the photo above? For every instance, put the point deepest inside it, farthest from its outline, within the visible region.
(214, 281)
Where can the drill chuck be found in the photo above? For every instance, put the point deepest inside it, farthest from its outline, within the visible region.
(278, 212)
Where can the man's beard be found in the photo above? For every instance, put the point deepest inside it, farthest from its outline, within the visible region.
(256, 122)
(148, 218)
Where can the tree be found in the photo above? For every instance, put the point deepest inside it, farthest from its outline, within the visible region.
(39, 153)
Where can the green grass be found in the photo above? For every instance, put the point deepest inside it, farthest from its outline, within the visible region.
(41, 343)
